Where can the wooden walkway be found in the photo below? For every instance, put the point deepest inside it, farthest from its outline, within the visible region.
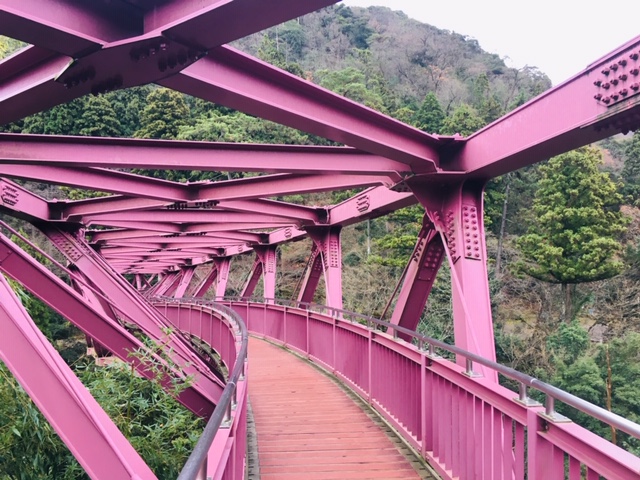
(308, 428)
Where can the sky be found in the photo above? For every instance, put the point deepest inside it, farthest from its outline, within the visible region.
(560, 37)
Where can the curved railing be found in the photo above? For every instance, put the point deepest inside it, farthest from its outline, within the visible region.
(221, 450)
(465, 425)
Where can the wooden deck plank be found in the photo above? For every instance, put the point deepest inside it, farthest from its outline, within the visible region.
(308, 428)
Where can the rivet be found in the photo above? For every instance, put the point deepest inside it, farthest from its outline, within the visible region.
(624, 92)
(613, 66)
(623, 77)
(606, 100)
(615, 96)
(597, 83)
(634, 71)
(635, 87)
(606, 85)
(477, 255)
(634, 56)
(606, 71)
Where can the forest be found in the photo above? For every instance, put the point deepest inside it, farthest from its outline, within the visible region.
(562, 236)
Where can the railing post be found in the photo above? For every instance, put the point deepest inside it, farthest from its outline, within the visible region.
(524, 398)
(550, 413)
(469, 371)
(202, 473)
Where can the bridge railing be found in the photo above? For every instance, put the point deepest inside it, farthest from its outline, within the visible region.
(221, 450)
(465, 425)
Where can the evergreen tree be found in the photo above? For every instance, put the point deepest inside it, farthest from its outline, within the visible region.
(430, 116)
(574, 235)
(99, 119)
(165, 113)
(59, 120)
(631, 170)
(464, 120)
(128, 105)
(352, 83)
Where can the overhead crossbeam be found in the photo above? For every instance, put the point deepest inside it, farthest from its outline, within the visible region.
(66, 151)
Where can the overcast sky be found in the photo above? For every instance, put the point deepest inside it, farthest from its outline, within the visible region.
(560, 37)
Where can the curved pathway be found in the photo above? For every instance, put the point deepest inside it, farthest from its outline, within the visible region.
(308, 428)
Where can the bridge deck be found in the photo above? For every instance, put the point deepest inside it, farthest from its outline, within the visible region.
(308, 428)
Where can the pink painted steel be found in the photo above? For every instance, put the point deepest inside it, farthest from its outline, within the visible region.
(473, 427)
(33, 89)
(85, 152)
(327, 241)
(371, 203)
(254, 277)
(100, 180)
(226, 457)
(457, 214)
(207, 280)
(312, 274)
(421, 273)
(85, 428)
(146, 317)
(90, 318)
(505, 145)
(185, 280)
(234, 79)
(264, 267)
(166, 285)
(222, 265)
(67, 27)
(22, 203)
(190, 21)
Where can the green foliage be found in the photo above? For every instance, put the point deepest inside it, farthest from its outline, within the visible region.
(355, 28)
(162, 431)
(166, 111)
(396, 246)
(29, 447)
(569, 342)
(59, 120)
(271, 52)
(463, 120)
(352, 83)
(485, 101)
(98, 118)
(430, 116)
(574, 236)
(631, 170)
(9, 46)
(586, 373)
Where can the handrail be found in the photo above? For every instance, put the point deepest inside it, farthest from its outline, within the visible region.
(197, 459)
(552, 393)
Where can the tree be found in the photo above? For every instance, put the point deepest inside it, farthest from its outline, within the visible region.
(165, 113)
(631, 170)
(464, 120)
(430, 116)
(99, 119)
(352, 83)
(573, 237)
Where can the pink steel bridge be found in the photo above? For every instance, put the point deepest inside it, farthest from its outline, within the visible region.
(455, 414)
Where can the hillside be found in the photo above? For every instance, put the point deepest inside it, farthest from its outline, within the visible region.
(408, 57)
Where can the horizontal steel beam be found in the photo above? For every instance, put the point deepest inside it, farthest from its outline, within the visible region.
(206, 156)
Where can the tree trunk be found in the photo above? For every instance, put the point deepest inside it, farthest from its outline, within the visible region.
(567, 306)
(610, 391)
(502, 227)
